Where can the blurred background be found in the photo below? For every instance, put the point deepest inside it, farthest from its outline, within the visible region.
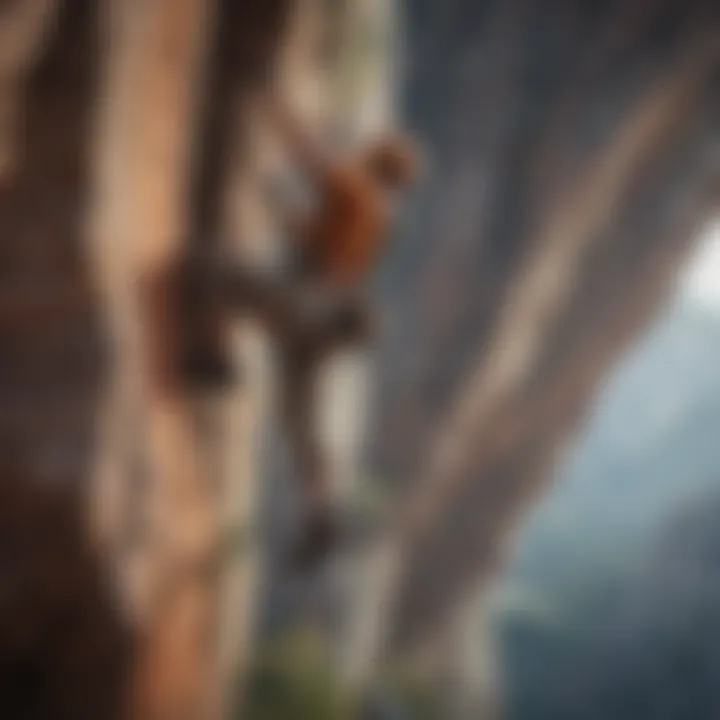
(532, 448)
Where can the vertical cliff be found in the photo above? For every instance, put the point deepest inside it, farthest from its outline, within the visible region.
(573, 152)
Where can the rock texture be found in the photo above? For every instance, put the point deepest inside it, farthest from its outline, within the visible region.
(574, 154)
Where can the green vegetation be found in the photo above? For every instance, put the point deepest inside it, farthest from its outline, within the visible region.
(294, 678)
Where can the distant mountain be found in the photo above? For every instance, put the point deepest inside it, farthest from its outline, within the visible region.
(660, 657)
(653, 440)
(655, 657)
(590, 562)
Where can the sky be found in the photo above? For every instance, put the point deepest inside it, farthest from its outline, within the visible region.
(701, 281)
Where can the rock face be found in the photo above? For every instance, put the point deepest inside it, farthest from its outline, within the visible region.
(59, 630)
(109, 164)
(572, 158)
(79, 140)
